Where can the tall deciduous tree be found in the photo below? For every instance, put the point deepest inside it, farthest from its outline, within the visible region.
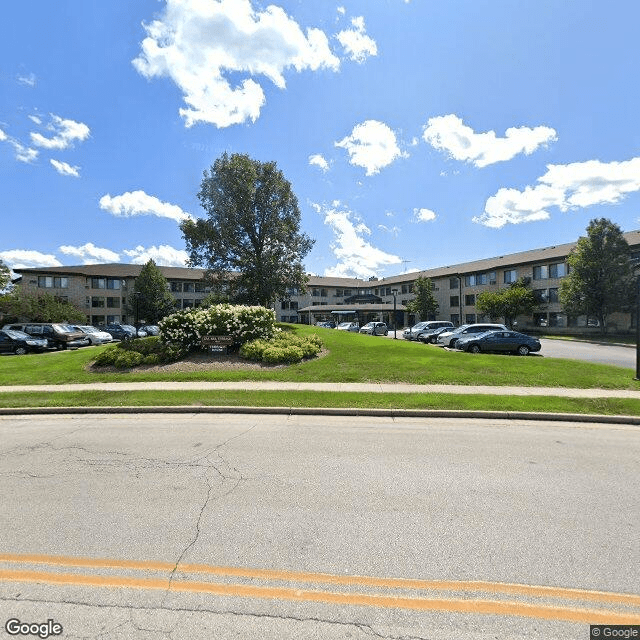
(42, 307)
(424, 303)
(5, 276)
(507, 303)
(151, 299)
(600, 279)
(251, 237)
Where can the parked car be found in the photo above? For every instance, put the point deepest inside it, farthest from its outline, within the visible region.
(20, 343)
(449, 338)
(326, 325)
(150, 329)
(349, 326)
(57, 334)
(417, 330)
(499, 342)
(431, 336)
(95, 335)
(119, 331)
(375, 329)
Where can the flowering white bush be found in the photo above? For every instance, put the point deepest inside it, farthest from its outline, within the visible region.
(242, 323)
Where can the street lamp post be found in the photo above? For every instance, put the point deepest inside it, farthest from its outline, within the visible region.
(395, 317)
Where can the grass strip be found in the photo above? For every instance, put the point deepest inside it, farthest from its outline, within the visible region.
(545, 404)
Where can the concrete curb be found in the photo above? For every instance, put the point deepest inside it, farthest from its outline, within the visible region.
(327, 411)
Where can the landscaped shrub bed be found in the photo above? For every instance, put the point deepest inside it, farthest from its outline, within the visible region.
(285, 347)
(242, 323)
(131, 353)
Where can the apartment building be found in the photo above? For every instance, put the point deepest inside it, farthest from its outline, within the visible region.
(103, 290)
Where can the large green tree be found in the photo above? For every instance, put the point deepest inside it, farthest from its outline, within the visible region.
(43, 307)
(600, 279)
(251, 237)
(507, 303)
(424, 304)
(151, 300)
(5, 276)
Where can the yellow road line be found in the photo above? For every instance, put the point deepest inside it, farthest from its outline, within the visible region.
(355, 599)
(297, 576)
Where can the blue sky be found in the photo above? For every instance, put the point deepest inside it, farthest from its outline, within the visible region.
(415, 133)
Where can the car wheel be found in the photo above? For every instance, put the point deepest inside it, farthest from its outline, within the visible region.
(523, 350)
(474, 348)
(452, 344)
(20, 351)
(386, 333)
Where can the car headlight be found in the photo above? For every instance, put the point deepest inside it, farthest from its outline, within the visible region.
(33, 343)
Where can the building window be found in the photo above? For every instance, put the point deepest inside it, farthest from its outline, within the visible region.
(541, 272)
(323, 293)
(293, 304)
(454, 318)
(553, 296)
(492, 277)
(189, 287)
(470, 318)
(411, 287)
(470, 281)
(113, 319)
(315, 293)
(347, 292)
(541, 296)
(199, 287)
(470, 300)
(113, 303)
(293, 291)
(176, 287)
(510, 275)
(454, 301)
(405, 288)
(98, 283)
(556, 320)
(112, 283)
(97, 302)
(284, 304)
(339, 293)
(454, 283)
(557, 270)
(45, 282)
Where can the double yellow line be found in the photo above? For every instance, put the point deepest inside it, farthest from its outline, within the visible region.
(627, 612)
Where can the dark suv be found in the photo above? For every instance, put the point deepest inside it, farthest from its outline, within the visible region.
(57, 334)
(119, 331)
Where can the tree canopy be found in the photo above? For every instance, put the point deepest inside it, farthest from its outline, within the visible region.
(5, 276)
(250, 238)
(42, 307)
(506, 303)
(151, 299)
(424, 303)
(600, 279)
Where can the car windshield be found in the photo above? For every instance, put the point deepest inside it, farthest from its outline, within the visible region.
(344, 325)
(65, 328)
(86, 328)
(17, 335)
(420, 325)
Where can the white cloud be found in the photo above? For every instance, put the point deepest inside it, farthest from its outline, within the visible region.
(35, 119)
(423, 215)
(66, 132)
(26, 259)
(357, 44)
(138, 203)
(357, 258)
(28, 80)
(164, 255)
(371, 145)
(90, 254)
(566, 187)
(195, 43)
(3, 136)
(319, 161)
(65, 169)
(23, 154)
(450, 134)
(394, 231)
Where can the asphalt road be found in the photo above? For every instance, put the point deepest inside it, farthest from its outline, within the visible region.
(619, 356)
(164, 526)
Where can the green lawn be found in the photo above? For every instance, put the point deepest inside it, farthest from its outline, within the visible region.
(350, 358)
(543, 404)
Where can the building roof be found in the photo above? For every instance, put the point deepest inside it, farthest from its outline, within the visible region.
(555, 252)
